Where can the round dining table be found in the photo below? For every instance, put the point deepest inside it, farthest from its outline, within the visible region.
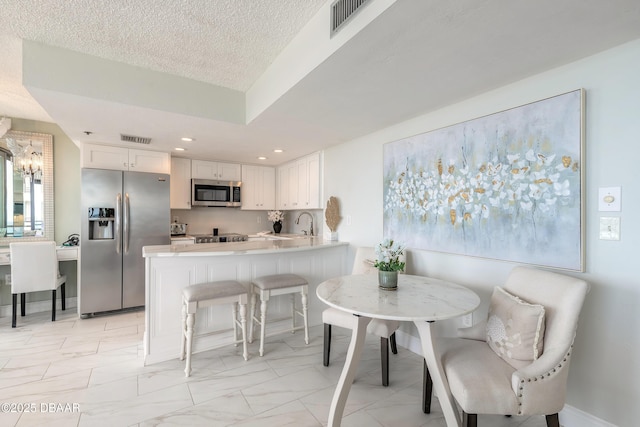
(418, 299)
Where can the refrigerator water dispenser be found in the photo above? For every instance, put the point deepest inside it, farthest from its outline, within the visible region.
(101, 223)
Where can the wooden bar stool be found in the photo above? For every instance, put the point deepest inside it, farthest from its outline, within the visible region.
(208, 294)
(278, 284)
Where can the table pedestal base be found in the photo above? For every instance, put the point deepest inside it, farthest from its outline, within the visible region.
(358, 334)
(440, 384)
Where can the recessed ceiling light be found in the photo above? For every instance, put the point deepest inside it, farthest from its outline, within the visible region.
(278, 150)
(180, 149)
(262, 158)
(187, 139)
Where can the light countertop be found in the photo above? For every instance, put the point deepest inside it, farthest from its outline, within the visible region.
(240, 248)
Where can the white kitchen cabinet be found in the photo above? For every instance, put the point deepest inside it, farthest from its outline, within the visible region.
(97, 156)
(180, 183)
(258, 187)
(282, 184)
(218, 171)
(299, 183)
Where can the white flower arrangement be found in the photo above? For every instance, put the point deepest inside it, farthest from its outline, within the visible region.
(275, 216)
(388, 253)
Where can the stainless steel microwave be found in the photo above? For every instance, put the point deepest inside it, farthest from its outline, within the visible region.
(215, 193)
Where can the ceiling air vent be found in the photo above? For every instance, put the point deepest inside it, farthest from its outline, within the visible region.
(342, 11)
(136, 139)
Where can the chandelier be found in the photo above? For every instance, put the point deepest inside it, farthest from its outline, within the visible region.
(26, 160)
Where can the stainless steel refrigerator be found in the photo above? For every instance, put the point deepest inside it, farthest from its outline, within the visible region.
(121, 213)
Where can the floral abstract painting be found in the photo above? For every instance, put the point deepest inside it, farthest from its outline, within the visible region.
(507, 186)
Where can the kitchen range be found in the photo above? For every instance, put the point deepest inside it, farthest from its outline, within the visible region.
(179, 236)
(220, 238)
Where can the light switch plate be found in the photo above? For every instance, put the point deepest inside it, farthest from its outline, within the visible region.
(609, 199)
(609, 228)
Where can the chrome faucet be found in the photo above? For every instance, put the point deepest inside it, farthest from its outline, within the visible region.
(310, 216)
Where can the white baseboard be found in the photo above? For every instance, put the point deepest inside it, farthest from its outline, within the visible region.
(38, 306)
(574, 417)
(569, 416)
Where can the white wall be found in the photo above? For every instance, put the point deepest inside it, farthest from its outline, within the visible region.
(604, 374)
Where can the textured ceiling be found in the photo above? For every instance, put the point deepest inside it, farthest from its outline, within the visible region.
(224, 42)
(408, 58)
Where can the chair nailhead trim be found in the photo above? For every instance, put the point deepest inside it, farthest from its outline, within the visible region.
(548, 374)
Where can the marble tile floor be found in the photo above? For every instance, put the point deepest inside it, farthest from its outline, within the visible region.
(89, 372)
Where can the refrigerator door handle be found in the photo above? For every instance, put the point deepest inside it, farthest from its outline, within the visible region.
(118, 222)
(125, 223)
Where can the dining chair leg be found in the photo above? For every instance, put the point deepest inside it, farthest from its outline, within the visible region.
(384, 360)
(469, 420)
(392, 340)
(14, 311)
(327, 344)
(63, 296)
(23, 304)
(552, 420)
(427, 388)
(53, 305)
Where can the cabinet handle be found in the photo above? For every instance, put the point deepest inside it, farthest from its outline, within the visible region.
(132, 165)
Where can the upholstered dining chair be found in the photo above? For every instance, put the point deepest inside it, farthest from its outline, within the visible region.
(517, 362)
(385, 329)
(34, 267)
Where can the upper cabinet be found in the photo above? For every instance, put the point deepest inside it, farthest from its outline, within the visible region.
(180, 183)
(126, 159)
(201, 169)
(299, 183)
(258, 187)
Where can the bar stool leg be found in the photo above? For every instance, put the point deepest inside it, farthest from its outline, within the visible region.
(304, 314)
(190, 322)
(243, 326)
(234, 319)
(293, 313)
(183, 331)
(263, 319)
(252, 314)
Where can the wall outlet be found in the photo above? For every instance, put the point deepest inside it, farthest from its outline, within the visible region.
(467, 320)
(259, 219)
(7, 279)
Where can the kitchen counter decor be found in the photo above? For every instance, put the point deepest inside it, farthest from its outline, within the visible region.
(276, 217)
(332, 216)
(389, 264)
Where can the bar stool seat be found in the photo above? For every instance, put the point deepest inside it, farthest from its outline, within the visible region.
(208, 294)
(273, 285)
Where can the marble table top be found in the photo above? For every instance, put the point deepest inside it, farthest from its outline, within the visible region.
(417, 298)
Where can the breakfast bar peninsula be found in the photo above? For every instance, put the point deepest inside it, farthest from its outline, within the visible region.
(168, 269)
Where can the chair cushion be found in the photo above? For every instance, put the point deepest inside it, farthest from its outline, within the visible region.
(277, 281)
(515, 328)
(212, 290)
(479, 380)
